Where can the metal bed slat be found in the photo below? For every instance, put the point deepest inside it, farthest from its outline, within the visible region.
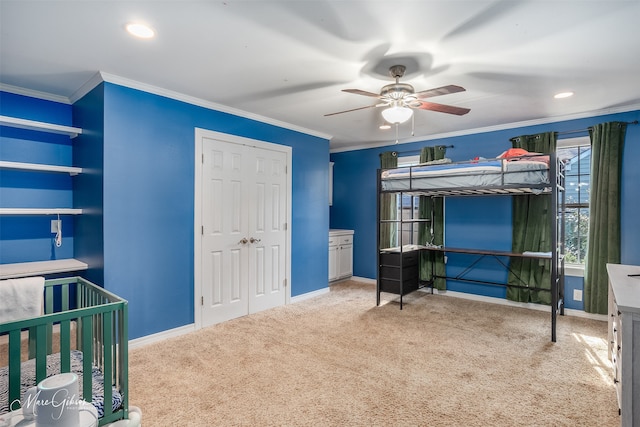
(14, 365)
(65, 345)
(108, 365)
(47, 310)
(123, 342)
(41, 352)
(87, 326)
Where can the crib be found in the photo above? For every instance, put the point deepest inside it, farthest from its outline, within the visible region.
(83, 330)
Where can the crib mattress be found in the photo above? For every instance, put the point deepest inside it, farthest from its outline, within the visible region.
(28, 379)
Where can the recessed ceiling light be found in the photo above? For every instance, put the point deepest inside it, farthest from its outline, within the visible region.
(140, 30)
(563, 95)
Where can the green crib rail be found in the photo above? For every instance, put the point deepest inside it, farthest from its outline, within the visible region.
(78, 315)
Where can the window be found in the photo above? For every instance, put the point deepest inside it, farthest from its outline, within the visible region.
(576, 155)
(409, 230)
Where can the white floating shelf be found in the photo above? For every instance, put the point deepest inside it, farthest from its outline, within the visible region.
(39, 211)
(40, 167)
(37, 268)
(40, 126)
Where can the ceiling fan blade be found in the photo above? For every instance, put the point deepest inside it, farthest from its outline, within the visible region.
(444, 90)
(355, 109)
(361, 92)
(450, 109)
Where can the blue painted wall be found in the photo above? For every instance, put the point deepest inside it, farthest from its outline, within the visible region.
(149, 155)
(88, 151)
(470, 222)
(138, 190)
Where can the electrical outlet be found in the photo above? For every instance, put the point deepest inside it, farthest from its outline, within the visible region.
(55, 223)
(577, 295)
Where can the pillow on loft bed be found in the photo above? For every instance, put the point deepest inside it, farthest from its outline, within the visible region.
(28, 379)
(516, 154)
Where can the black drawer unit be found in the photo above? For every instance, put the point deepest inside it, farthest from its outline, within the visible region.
(396, 269)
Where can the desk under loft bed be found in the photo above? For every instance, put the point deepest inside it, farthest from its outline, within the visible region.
(398, 265)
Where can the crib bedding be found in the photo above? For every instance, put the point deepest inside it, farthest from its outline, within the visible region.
(28, 379)
(467, 174)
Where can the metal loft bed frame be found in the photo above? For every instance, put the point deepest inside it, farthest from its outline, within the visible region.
(398, 266)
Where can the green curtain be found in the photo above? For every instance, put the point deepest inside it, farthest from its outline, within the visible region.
(388, 205)
(607, 141)
(531, 232)
(432, 232)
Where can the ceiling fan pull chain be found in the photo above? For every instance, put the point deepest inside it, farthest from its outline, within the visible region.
(397, 124)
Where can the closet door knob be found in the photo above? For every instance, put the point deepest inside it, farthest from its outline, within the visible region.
(244, 241)
(252, 240)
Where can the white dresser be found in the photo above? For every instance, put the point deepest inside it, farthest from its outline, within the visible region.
(624, 339)
(340, 254)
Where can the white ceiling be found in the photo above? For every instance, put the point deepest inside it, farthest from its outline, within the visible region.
(288, 61)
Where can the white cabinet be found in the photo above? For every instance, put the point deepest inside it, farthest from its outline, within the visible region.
(51, 266)
(340, 254)
(624, 339)
(333, 259)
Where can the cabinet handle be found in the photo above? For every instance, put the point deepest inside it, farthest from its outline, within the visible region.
(615, 381)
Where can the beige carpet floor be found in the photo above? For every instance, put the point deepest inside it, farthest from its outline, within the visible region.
(338, 360)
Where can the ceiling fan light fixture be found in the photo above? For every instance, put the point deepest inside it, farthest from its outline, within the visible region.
(140, 30)
(385, 126)
(397, 114)
(563, 95)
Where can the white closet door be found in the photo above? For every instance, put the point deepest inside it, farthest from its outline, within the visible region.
(244, 236)
(267, 236)
(225, 259)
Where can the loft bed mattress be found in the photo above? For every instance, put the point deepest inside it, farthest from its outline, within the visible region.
(491, 174)
(28, 380)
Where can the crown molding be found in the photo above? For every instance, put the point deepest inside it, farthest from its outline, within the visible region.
(101, 76)
(34, 94)
(506, 126)
(87, 87)
(132, 84)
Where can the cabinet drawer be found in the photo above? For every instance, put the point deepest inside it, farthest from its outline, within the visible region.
(393, 258)
(393, 286)
(333, 241)
(392, 272)
(345, 240)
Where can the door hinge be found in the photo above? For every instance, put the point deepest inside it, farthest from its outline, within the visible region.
(202, 300)
(203, 158)
(284, 283)
(202, 230)
(285, 226)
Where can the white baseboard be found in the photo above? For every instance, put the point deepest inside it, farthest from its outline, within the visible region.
(585, 315)
(531, 306)
(182, 330)
(160, 336)
(364, 280)
(308, 295)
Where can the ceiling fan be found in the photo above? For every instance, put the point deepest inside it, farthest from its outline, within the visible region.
(401, 99)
